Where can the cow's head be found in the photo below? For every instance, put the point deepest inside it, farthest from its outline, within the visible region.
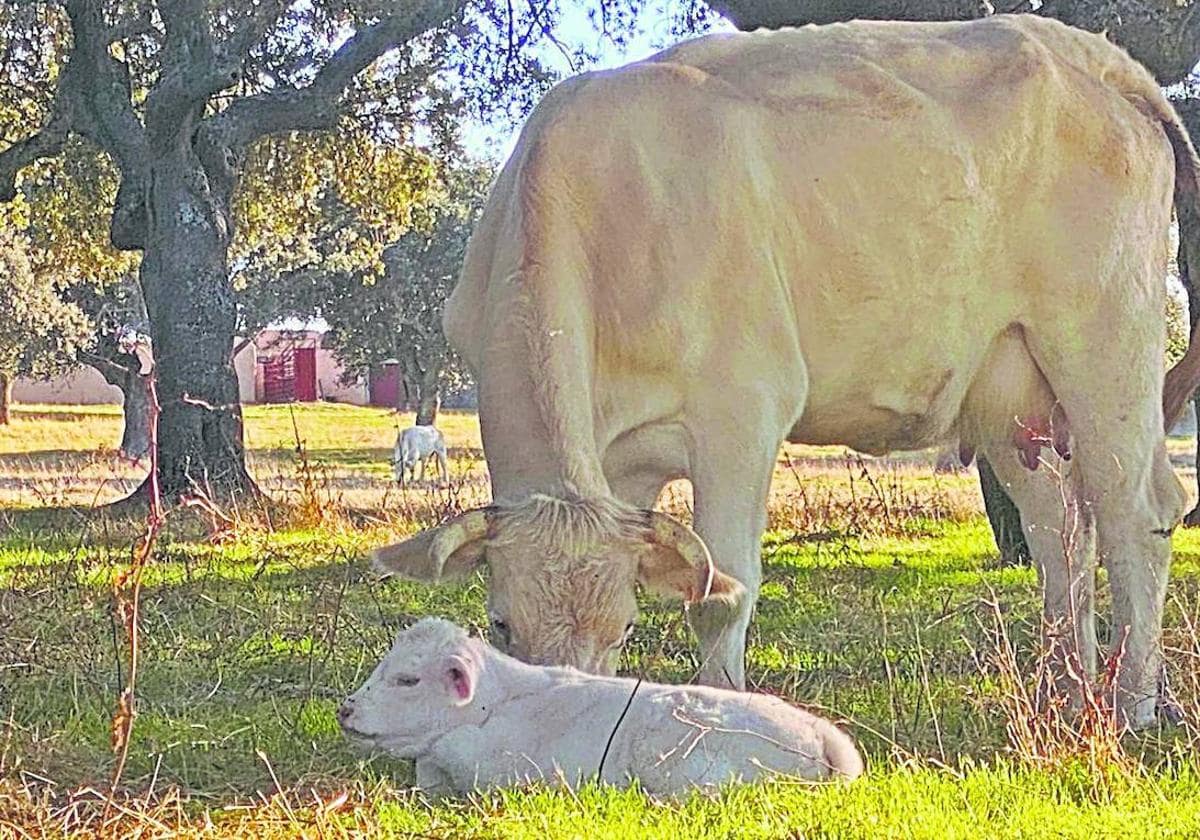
(564, 573)
(421, 689)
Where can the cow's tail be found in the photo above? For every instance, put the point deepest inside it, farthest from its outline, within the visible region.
(1184, 377)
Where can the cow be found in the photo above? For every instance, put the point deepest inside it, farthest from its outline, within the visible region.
(416, 445)
(474, 718)
(877, 234)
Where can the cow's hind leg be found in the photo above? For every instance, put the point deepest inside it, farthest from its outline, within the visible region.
(1061, 534)
(1111, 392)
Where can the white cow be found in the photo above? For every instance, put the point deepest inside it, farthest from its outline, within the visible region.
(877, 234)
(417, 445)
(474, 718)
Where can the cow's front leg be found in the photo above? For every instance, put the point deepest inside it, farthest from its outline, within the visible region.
(731, 490)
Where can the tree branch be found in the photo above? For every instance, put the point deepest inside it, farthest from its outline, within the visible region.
(91, 99)
(46, 143)
(1164, 35)
(253, 29)
(192, 72)
(316, 106)
(102, 108)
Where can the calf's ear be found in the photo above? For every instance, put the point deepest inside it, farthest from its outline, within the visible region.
(676, 562)
(452, 550)
(459, 675)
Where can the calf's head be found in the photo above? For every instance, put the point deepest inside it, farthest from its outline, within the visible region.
(563, 573)
(421, 689)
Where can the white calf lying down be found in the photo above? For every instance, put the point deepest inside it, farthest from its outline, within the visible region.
(416, 445)
(474, 718)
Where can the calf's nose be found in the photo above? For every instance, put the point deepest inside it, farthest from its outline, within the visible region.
(344, 711)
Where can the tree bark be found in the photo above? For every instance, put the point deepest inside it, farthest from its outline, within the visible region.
(6, 388)
(431, 396)
(190, 301)
(135, 438)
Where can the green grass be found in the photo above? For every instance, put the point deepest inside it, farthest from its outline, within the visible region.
(249, 645)
(882, 606)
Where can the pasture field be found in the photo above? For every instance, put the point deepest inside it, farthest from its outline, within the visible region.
(884, 606)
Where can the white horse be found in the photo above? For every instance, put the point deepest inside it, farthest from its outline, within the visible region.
(416, 445)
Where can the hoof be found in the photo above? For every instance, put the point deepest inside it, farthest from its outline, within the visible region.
(1169, 712)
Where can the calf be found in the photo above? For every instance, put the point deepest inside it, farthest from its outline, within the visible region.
(474, 718)
(416, 445)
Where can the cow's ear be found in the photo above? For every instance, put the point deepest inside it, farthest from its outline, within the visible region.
(676, 562)
(459, 675)
(450, 551)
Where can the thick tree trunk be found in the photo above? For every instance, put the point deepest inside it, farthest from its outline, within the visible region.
(431, 396)
(1004, 518)
(6, 387)
(190, 300)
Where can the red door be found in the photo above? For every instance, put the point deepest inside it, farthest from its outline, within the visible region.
(385, 386)
(279, 378)
(306, 374)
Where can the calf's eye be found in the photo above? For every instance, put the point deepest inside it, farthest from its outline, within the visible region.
(407, 682)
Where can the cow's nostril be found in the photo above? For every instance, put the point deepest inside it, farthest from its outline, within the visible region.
(344, 711)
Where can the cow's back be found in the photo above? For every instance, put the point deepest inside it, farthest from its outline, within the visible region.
(759, 205)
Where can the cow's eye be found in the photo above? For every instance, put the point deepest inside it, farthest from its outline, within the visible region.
(628, 631)
(499, 630)
(407, 682)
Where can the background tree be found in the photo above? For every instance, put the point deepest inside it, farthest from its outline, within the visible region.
(386, 309)
(175, 93)
(1164, 35)
(402, 311)
(116, 309)
(40, 332)
(178, 94)
(64, 207)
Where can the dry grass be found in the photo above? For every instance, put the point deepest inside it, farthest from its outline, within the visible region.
(881, 602)
(61, 457)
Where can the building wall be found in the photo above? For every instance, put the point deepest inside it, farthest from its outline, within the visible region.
(329, 369)
(329, 381)
(84, 386)
(245, 365)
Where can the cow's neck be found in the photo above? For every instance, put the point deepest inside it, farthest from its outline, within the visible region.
(527, 451)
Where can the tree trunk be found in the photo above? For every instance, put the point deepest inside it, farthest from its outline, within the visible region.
(1004, 518)
(431, 396)
(6, 388)
(1188, 261)
(135, 439)
(190, 301)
